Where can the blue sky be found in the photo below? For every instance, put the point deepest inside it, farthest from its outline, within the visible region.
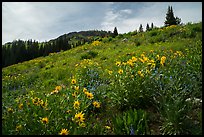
(43, 21)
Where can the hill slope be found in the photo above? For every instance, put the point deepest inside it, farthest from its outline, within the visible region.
(152, 76)
(19, 50)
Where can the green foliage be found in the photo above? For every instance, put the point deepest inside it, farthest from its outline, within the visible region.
(108, 39)
(173, 110)
(153, 33)
(89, 55)
(131, 122)
(137, 42)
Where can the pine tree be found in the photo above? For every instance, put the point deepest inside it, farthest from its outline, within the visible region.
(170, 19)
(147, 27)
(152, 26)
(115, 32)
(178, 20)
(140, 28)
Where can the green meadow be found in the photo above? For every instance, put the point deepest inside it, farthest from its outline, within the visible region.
(147, 83)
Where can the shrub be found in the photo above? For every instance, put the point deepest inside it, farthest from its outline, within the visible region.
(153, 33)
(131, 122)
(137, 42)
(89, 55)
(174, 112)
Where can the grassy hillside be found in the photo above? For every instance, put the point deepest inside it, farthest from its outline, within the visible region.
(145, 83)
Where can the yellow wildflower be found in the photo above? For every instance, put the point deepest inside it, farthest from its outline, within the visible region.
(153, 65)
(163, 58)
(43, 104)
(158, 58)
(84, 90)
(89, 95)
(44, 120)
(36, 101)
(141, 60)
(68, 111)
(96, 104)
(54, 91)
(145, 59)
(19, 127)
(58, 88)
(110, 72)
(74, 94)
(142, 55)
(96, 43)
(140, 73)
(79, 117)
(64, 132)
(124, 63)
(118, 63)
(10, 110)
(76, 104)
(107, 127)
(179, 53)
(120, 71)
(73, 81)
(149, 64)
(20, 106)
(76, 87)
(151, 61)
(147, 71)
(134, 59)
(130, 63)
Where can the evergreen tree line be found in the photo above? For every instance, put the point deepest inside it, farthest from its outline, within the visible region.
(19, 50)
(148, 28)
(170, 20)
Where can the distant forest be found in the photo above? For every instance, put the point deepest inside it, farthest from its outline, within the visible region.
(19, 50)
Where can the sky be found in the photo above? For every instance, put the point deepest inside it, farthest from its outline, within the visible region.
(43, 21)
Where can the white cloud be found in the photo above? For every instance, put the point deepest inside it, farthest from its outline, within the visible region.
(155, 12)
(126, 11)
(47, 20)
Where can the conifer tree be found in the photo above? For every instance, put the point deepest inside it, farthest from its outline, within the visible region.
(170, 19)
(147, 27)
(152, 26)
(115, 32)
(140, 28)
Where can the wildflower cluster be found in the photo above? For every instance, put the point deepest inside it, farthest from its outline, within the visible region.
(82, 99)
(86, 62)
(57, 89)
(39, 102)
(95, 43)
